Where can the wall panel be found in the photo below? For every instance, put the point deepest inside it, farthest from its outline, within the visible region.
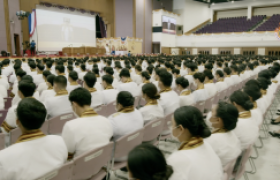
(124, 18)
(140, 20)
(148, 26)
(3, 39)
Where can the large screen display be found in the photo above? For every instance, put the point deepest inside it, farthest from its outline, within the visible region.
(168, 25)
(61, 29)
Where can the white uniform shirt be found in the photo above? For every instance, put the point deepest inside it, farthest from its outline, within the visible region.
(17, 99)
(126, 123)
(200, 95)
(11, 118)
(32, 159)
(97, 99)
(42, 86)
(200, 163)
(247, 131)
(38, 78)
(192, 83)
(47, 94)
(226, 145)
(229, 81)
(32, 73)
(72, 87)
(236, 79)
(130, 87)
(3, 91)
(221, 86)
(151, 112)
(137, 78)
(81, 75)
(4, 82)
(257, 116)
(186, 100)
(6, 71)
(86, 133)
(58, 105)
(211, 89)
(156, 84)
(169, 101)
(110, 95)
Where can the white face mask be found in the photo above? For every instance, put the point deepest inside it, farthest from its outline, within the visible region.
(176, 138)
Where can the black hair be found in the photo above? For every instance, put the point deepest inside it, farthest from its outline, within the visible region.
(27, 78)
(60, 68)
(108, 79)
(191, 118)
(265, 74)
(208, 66)
(227, 70)
(253, 91)
(46, 73)
(95, 71)
(251, 66)
(124, 73)
(109, 70)
(73, 75)
(147, 162)
(125, 98)
(146, 75)
(199, 76)
(90, 79)
(182, 81)
(31, 113)
(264, 83)
(81, 96)
(49, 64)
(50, 79)
(83, 67)
(138, 68)
(208, 74)
(229, 114)
(32, 64)
(220, 73)
(27, 88)
(41, 67)
(192, 66)
(242, 99)
(177, 71)
(234, 67)
(61, 81)
(166, 78)
(70, 68)
(150, 90)
(20, 73)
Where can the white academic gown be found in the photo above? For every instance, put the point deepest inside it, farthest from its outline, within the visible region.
(169, 101)
(130, 87)
(58, 105)
(151, 112)
(211, 89)
(110, 95)
(186, 100)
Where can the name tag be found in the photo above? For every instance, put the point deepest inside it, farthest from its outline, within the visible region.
(49, 176)
(94, 155)
(67, 116)
(132, 137)
(156, 124)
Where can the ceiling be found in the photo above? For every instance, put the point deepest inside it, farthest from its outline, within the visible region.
(215, 1)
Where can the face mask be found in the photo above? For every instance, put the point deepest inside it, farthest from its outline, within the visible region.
(175, 137)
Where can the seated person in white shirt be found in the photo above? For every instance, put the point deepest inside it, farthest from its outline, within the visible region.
(26, 89)
(223, 140)
(127, 84)
(195, 159)
(69, 69)
(77, 67)
(38, 78)
(152, 110)
(234, 74)
(49, 64)
(59, 104)
(44, 153)
(146, 161)
(4, 81)
(192, 69)
(169, 99)
(95, 70)
(33, 70)
(43, 86)
(97, 98)
(83, 71)
(20, 73)
(200, 94)
(60, 70)
(17, 66)
(228, 79)
(247, 129)
(137, 76)
(6, 69)
(209, 84)
(72, 79)
(89, 130)
(48, 92)
(110, 71)
(109, 93)
(186, 98)
(220, 84)
(128, 119)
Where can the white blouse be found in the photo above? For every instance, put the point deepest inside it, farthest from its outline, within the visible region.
(186, 100)
(151, 112)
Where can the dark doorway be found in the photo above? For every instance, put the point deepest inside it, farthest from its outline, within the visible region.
(16, 43)
(156, 48)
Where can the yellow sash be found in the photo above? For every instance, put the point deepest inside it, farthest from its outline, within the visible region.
(97, 75)
(221, 80)
(62, 74)
(185, 93)
(191, 73)
(127, 109)
(221, 130)
(245, 115)
(177, 76)
(255, 105)
(128, 80)
(263, 92)
(109, 87)
(227, 75)
(50, 88)
(139, 73)
(274, 81)
(62, 92)
(74, 83)
(88, 113)
(194, 142)
(31, 136)
(7, 127)
(210, 81)
(146, 81)
(151, 102)
(91, 90)
(39, 72)
(168, 69)
(33, 70)
(165, 90)
(200, 87)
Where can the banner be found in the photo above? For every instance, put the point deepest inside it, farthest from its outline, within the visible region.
(32, 22)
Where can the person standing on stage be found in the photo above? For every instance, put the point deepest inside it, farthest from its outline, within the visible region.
(33, 47)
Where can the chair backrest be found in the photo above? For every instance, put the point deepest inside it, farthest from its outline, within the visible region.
(101, 110)
(3, 114)
(111, 108)
(45, 127)
(2, 141)
(126, 143)
(209, 102)
(8, 102)
(200, 105)
(216, 98)
(245, 157)
(167, 121)
(64, 172)
(56, 124)
(90, 163)
(153, 129)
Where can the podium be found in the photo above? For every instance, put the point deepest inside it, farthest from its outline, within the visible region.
(68, 51)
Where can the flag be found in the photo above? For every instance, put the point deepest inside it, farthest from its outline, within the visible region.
(32, 22)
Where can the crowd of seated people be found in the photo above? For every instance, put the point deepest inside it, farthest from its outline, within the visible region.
(47, 88)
